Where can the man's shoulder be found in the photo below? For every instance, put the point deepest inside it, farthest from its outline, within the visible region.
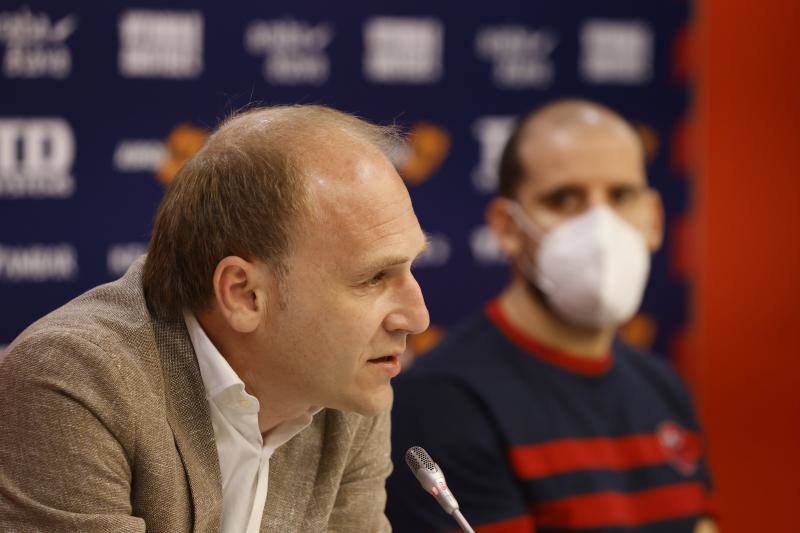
(111, 319)
(641, 369)
(645, 364)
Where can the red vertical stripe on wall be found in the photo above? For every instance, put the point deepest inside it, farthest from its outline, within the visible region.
(748, 291)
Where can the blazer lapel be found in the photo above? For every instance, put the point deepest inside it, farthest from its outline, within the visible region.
(190, 420)
(292, 479)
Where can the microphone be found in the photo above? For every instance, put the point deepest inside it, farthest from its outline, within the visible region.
(431, 478)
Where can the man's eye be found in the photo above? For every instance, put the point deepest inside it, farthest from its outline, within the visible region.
(563, 199)
(621, 195)
(376, 279)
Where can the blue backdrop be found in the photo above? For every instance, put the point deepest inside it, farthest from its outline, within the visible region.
(101, 101)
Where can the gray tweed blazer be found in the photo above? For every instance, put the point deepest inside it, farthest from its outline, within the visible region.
(104, 426)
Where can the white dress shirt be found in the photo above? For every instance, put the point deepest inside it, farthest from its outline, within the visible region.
(243, 453)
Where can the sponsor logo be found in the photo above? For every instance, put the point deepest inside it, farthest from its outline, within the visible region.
(438, 252)
(484, 247)
(684, 54)
(616, 51)
(424, 152)
(162, 158)
(491, 133)
(520, 56)
(121, 256)
(682, 247)
(650, 140)
(403, 50)
(683, 451)
(182, 143)
(36, 157)
(683, 156)
(421, 343)
(293, 50)
(427, 340)
(682, 349)
(640, 331)
(38, 263)
(139, 155)
(160, 44)
(36, 45)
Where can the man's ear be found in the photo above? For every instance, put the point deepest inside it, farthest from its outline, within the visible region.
(240, 293)
(654, 231)
(504, 227)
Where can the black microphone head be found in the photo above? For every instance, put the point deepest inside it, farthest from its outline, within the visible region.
(417, 457)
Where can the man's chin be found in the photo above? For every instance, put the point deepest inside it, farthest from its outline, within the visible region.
(379, 402)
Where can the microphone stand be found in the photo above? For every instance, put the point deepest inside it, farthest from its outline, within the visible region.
(462, 522)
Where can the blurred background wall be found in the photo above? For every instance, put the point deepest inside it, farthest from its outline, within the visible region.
(101, 102)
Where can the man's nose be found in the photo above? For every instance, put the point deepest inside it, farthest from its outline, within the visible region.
(411, 315)
(595, 198)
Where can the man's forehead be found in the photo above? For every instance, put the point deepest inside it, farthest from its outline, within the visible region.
(563, 155)
(341, 171)
(360, 207)
(386, 227)
(547, 137)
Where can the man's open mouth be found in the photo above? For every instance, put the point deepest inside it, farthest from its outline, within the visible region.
(384, 359)
(388, 364)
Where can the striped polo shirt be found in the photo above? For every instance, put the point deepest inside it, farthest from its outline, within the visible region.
(532, 439)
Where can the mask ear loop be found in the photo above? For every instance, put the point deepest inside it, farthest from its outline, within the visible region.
(532, 230)
(528, 226)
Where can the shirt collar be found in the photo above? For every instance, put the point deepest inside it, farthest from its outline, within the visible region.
(551, 355)
(217, 374)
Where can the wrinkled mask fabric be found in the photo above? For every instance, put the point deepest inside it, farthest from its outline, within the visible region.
(592, 269)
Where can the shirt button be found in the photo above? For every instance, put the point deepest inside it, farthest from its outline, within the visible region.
(244, 404)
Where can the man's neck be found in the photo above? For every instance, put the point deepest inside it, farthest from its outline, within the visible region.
(275, 409)
(526, 312)
(276, 405)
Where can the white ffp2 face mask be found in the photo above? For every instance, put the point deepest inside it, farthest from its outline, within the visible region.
(592, 269)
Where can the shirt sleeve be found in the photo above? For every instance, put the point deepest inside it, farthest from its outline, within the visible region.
(673, 387)
(451, 424)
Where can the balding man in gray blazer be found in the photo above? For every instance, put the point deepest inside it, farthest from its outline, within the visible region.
(237, 378)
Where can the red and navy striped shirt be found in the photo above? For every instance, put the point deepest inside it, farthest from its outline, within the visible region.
(531, 439)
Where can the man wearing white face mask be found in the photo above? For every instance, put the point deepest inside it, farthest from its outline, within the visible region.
(539, 418)
(591, 270)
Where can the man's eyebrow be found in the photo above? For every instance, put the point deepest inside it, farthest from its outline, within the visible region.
(424, 249)
(392, 260)
(632, 186)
